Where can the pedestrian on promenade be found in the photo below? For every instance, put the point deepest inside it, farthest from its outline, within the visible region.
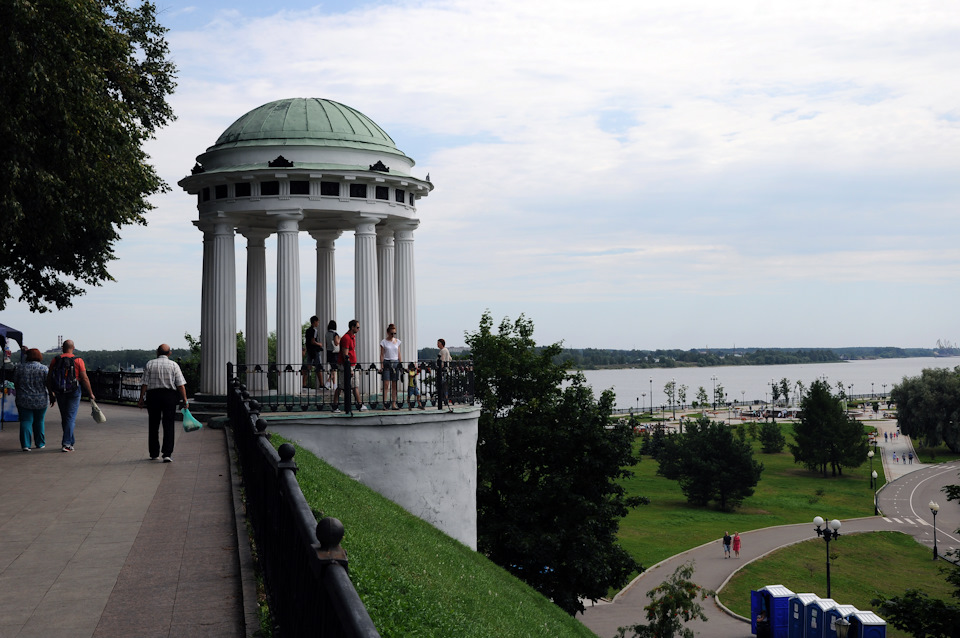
(726, 544)
(895, 458)
(163, 382)
(443, 373)
(736, 544)
(390, 364)
(348, 359)
(314, 353)
(67, 376)
(910, 456)
(332, 347)
(30, 380)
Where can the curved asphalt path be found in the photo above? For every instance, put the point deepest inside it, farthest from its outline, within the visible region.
(903, 501)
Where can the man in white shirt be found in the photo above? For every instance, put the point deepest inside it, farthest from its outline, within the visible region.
(163, 383)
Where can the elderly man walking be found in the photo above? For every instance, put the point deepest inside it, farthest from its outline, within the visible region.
(163, 383)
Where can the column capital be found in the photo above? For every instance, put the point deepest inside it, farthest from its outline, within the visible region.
(325, 235)
(384, 236)
(403, 230)
(255, 236)
(221, 225)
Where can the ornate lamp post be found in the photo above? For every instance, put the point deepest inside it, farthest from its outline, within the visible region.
(828, 531)
(876, 510)
(644, 395)
(934, 508)
(872, 473)
(714, 379)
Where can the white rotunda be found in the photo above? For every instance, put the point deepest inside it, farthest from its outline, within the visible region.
(303, 165)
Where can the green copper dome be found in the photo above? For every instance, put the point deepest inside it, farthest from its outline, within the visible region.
(306, 122)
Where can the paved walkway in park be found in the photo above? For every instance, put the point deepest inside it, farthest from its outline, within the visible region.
(713, 570)
(104, 542)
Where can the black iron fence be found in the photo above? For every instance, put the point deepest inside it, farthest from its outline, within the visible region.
(297, 387)
(303, 564)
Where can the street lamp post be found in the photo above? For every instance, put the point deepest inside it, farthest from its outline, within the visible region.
(876, 510)
(870, 456)
(673, 395)
(644, 395)
(651, 396)
(934, 508)
(884, 390)
(872, 395)
(828, 531)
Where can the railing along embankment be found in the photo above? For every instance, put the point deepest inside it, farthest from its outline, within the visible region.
(303, 564)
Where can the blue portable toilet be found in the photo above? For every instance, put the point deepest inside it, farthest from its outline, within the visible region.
(866, 624)
(774, 602)
(816, 612)
(798, 608)
(833, 615)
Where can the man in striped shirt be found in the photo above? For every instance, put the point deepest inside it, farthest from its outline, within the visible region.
(163, 382)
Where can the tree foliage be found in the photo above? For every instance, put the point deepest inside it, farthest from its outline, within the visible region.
(928, 406)
(672, 603)
(710, 464)
(772, 440)
(825, 435)
(84, 86)
(548, 498)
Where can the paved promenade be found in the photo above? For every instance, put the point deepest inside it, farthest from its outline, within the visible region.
(713, 570)
(104, 542)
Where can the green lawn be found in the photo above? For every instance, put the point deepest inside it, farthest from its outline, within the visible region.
(862, 566)
(787, 493)
(417, 581)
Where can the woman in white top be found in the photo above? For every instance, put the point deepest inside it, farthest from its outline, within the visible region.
(390, 364)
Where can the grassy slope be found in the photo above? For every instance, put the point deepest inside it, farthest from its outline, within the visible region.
(415, 580)
(862, 565)
(787, 493)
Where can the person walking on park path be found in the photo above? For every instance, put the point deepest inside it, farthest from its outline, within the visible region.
(726, 544)
(32, 395)
(736, 544)
(67, 376)
(163, 383)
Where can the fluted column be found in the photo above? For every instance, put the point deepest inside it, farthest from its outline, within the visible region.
(365, 290)
(288, 302)
(255, 327)
(405, 295)
(385, 283)
(326, 305)
(218, 307)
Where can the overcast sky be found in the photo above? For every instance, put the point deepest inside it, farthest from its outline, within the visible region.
(631, 174)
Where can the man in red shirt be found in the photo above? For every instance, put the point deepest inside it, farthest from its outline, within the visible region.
(348, 359)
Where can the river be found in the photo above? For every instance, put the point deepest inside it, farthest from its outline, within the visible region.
(869, 377)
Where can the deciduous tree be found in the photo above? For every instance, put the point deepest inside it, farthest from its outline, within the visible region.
(710, 464)
(548, 497)
(928, 406)
(672, 603)
(84, 86)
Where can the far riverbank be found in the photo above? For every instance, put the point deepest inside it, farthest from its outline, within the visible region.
(871, 377)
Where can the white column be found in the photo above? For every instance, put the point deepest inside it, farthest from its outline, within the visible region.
(405, 296)
(385, 279)
(326, 306)
(207, 382)
(365, 291)
(288, 303)
(255, 326)
(218, 307)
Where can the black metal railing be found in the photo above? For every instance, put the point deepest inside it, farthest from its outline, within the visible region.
(282, 387)
(304, 566)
